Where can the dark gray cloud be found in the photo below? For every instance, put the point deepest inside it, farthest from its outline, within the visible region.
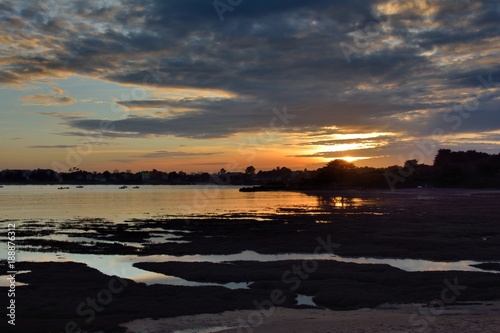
(96, 133)
(472, 116)
(7, 77)
(192, 125)
(408, 65)
(144, 104)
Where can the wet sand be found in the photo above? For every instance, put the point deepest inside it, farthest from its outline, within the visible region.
(411, 318)
(341, 286)
(61, 294)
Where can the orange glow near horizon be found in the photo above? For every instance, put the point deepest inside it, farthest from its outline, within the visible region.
(351, 159)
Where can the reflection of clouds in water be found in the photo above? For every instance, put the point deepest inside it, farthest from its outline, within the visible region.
(122, 265)
(417, 265)
(305, 300)
(5, 282)
(125, 269)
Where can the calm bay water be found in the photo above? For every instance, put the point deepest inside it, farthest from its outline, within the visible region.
(112, 203)
(117, 205)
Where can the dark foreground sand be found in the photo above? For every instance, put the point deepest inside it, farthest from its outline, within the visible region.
(479, 317)
(72, 297)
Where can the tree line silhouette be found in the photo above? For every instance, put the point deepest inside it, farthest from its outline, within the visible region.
(459, 169)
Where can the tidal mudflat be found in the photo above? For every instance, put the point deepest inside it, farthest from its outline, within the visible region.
(354, 250)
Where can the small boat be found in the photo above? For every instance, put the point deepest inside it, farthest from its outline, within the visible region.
(136, 187)
(123, 187)
(79, 186)
(63, 188)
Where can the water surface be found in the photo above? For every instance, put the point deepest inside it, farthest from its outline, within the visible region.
(148, 201)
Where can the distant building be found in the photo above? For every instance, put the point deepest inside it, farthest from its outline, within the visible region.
(145, 176)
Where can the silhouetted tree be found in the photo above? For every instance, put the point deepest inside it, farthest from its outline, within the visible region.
(337, 173)
(250, 170)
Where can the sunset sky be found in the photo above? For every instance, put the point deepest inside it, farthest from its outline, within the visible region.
(200, 85)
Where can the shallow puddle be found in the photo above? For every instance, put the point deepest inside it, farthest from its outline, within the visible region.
(122, 265)
(305, 300)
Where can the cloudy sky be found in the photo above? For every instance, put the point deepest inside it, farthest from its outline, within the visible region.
(198, 85)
